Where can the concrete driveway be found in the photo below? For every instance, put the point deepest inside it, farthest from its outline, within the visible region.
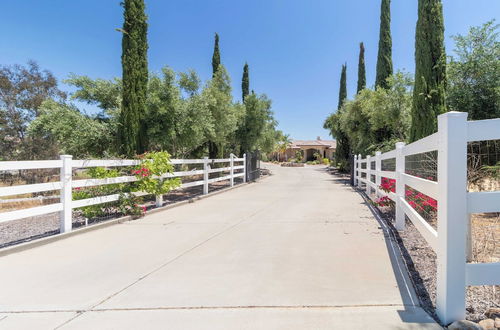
(298, 250)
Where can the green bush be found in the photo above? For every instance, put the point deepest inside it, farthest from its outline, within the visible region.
(125, 205)
(151, 173)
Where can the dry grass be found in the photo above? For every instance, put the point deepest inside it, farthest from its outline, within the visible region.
(485, 237)
(6, 206)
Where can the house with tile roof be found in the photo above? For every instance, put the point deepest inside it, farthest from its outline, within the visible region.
(325, 148)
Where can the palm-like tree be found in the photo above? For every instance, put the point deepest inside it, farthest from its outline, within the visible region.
(283, 145)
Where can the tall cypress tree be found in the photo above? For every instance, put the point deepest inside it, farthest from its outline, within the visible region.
(215, 56)
(343, 86)
(342, 151)
(245, 83)
(213, 149)
(430, 70)
(134, 78)
(384, 58)
(361, 69)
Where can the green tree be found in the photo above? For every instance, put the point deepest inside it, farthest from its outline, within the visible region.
(218, 99)
(71, 131)
(23, 89)
(430, 70)
(189, 82)
(176, 124)
(215, 56)
(343, 87)
(361, 69)
(213, 147)
(474, 74)
(384, 58)
(257, 115)
(245, 83)
(332, 123)
(132, 132)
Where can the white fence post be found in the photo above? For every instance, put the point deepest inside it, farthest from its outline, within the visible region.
(452, 216)
(400, 187)
(232, 169)
(355, 170)
(66, 197)
(368, 175)
(359, 170)
(244, 167)
(206, 167)
(378, 168)
(159, 200)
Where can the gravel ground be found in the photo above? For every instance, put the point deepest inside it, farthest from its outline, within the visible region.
(32, 228)
(420, 260)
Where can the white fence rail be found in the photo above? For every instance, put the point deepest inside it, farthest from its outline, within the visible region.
(236, 168)
(455, 204)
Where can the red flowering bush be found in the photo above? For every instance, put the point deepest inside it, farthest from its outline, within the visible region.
(388, 185)
(420, 202)
(142, 172)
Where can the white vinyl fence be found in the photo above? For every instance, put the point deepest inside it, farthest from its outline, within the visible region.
(66, 184)
(455, 204)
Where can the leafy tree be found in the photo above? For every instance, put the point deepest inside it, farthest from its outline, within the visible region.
(189, 82)
(430, 70)
(269, 139)
(257, 115)
(135, 78)
(106, 94)
(360, 119)
(215, 56)
(474, 74)
(164, 110)
(23, 89)
(361, 69)
(245, 83)
(384, 58)
(385, 110)
(176, 124)
(71, 131)
(218, 99)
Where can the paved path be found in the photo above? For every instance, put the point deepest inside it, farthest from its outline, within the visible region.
(298, 250)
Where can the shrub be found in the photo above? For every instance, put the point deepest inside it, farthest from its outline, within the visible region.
(126, 205)
(420, 202)
(151, 173)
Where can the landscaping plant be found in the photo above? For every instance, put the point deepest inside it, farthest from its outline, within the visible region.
(152, 174)
(418, 201)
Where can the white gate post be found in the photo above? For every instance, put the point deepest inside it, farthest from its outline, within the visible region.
(359, 170)
(66, 197)
(244, 167)
(206, 167)
(452, 216)
(378, 168)
(368, 175)
(355, 170)
(400, 187)
(232, 169)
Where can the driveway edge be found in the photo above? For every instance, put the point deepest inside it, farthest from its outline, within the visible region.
(46, 240)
